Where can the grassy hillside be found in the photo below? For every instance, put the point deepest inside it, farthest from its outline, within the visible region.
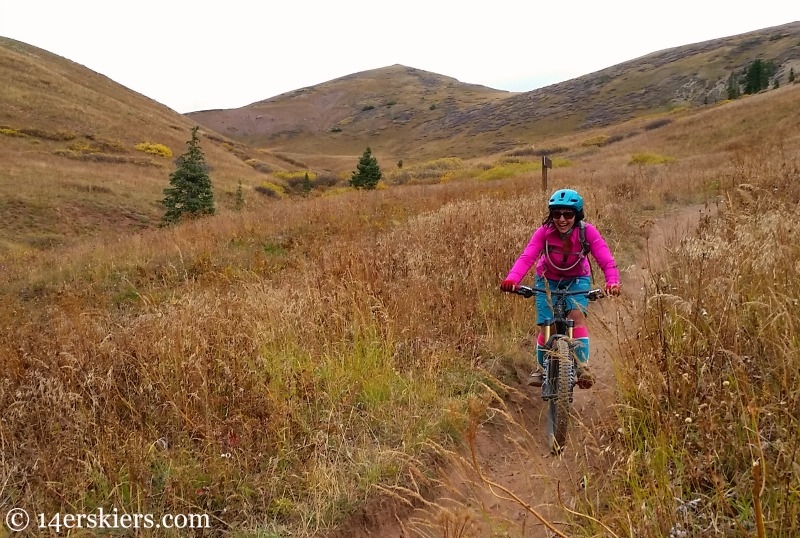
(244, 365)
(387, 105)
(405, 113)
(68, 136)
(71, 169)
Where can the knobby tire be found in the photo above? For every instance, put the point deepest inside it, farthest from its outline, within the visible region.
(559, 405)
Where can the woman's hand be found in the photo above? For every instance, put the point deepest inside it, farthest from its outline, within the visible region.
(508, 285)
(613, 290)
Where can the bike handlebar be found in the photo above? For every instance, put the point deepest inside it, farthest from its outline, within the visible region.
(528, 291)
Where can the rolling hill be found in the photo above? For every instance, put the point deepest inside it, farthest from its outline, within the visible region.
(69, 136)
(306, 367)
(403, 111)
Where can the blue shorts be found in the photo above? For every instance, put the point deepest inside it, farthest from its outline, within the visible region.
(544, 310)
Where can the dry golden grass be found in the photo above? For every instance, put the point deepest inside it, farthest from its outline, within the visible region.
(274, 368)
(709, 404)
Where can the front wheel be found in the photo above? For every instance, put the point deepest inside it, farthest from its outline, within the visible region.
(559, 404)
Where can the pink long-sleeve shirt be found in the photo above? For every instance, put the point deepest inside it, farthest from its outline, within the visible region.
(547, 237)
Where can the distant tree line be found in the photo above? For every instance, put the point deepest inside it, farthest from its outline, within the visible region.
(753, 79)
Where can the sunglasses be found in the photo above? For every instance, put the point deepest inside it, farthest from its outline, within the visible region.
(566, 214)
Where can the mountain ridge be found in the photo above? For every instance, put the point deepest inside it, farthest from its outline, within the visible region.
(69, 135)
(689, 75)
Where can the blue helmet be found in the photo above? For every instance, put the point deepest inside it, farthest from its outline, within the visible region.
(566, 198)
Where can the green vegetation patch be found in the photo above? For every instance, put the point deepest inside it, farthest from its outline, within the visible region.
(270, 190)
(155, 149)
(651, 158)
(104, 157)
(598, 141)
(505, 170)
(59, 136)
(12, 132)
(298, 174)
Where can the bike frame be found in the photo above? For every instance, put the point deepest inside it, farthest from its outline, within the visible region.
(560, 359)
(556, 328)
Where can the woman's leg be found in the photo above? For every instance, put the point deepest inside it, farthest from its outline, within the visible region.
(543, 313)
(580, 333)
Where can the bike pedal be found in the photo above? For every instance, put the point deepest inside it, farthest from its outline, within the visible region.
(535, 380)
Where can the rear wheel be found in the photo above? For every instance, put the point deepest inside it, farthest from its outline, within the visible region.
(558, 415)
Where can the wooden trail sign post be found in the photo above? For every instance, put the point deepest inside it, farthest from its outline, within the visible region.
(546, 163)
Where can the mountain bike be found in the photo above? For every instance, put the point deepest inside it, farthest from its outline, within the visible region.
(560, 362)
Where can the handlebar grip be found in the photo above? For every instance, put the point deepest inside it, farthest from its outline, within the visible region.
(524, 291)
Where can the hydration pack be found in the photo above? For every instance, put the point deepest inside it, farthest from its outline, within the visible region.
(585, 248)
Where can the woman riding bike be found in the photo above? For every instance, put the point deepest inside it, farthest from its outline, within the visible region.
(559, 248)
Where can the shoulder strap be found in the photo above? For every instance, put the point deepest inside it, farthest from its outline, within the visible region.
(585, 248)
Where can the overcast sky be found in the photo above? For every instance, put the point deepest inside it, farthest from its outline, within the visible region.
(202, 54)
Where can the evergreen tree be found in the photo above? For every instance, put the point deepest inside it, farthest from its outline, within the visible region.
(791, 74)
(368, 172)
(238, 203)
(306, 185)
(757, 76)
(733, 87)
(190, 190)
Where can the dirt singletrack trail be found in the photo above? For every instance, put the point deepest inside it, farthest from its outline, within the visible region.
(517, 472)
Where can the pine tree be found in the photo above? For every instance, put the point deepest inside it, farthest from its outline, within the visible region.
(306, 185)
(757, 76)
(190, 191)
(733, 87)
(238, 203)
(368, 172)
(791, 74)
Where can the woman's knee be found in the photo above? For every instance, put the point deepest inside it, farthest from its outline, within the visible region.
(577, 316)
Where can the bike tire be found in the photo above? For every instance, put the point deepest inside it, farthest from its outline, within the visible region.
(558, 416)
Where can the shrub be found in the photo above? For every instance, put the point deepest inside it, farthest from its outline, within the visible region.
(293, 176)
(299, 182)
(155, 149)
(12, 132)
(367, 107)
(655, 124)
(58, 136)
(104, 158)
(598, 141)
(326, 179)
(270, 190)
(651, 158)
(102, 144)
(83, 147)
(336, 130)
(259, 166)
(508, 170)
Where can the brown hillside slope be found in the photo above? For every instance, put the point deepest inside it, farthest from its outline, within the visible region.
(469, 120)
(67, 144)
(130, 364)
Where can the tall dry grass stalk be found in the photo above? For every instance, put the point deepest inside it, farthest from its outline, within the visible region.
(275, 368)
(709, 402)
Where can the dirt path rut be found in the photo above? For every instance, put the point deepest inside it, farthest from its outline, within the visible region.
(517, 473)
